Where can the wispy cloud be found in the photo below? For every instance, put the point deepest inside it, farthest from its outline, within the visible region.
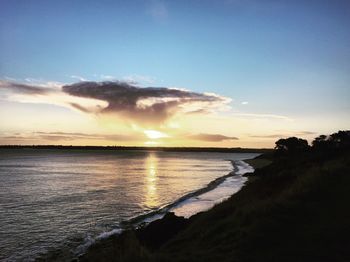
(267, 116)
(158, 10)
(61, 137)
(211, 137)
(75, 136)
(48, 93)
(67, 136)
(285, 134)
(139, 79)
(108, 77)
(10, 78)
(28, 89)
(80, 78)
(269, 136)
(303, 133)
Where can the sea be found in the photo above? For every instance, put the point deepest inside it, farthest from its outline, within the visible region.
(64, 200)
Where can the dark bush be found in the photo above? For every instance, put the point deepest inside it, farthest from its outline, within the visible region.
(291, 145)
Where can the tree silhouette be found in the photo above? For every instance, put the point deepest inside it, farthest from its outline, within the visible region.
(291, 145)
(341, 139)
(321, 143)
(336, 141)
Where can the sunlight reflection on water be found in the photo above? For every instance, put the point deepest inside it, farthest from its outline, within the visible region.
(152, 200)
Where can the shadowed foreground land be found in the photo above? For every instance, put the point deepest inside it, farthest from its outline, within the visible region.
(294, 209)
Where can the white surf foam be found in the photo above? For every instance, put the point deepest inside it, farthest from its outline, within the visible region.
(89, 241)
(223, 191)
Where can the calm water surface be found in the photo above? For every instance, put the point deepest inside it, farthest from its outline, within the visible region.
(56, 199)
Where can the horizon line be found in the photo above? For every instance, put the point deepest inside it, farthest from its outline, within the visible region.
(135, 147)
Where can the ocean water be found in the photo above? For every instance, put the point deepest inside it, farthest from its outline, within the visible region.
(63, 200)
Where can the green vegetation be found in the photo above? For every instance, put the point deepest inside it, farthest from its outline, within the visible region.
(296, 209)
(258, 162)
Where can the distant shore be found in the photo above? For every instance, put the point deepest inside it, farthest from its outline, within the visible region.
(143, 148)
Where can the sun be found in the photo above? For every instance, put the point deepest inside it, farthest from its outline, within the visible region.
(154, 134)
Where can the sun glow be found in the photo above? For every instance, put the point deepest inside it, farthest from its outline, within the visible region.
(154, 134)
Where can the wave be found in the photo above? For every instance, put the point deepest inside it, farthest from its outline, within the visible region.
(190, 204)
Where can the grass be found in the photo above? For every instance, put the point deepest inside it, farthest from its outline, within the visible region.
(258, 162)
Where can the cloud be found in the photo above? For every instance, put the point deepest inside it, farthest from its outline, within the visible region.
(80, 78)
(211, 137)
(158, 10)
(75, 136)
(48, 93)
(262, 116)
(67, 136)
(108, 77)
(302, 133)
(270, 136)
(289, 134)
(139, 79)
(146, 105)
(16, 87)
(53, 137)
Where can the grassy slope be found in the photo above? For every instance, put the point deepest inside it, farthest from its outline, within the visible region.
(291, 210)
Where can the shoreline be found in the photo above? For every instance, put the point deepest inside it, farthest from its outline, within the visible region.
(166, 214)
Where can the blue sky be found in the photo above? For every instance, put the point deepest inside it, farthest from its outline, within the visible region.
(282, 57)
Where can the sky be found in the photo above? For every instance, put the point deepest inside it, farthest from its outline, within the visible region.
(224, 73)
